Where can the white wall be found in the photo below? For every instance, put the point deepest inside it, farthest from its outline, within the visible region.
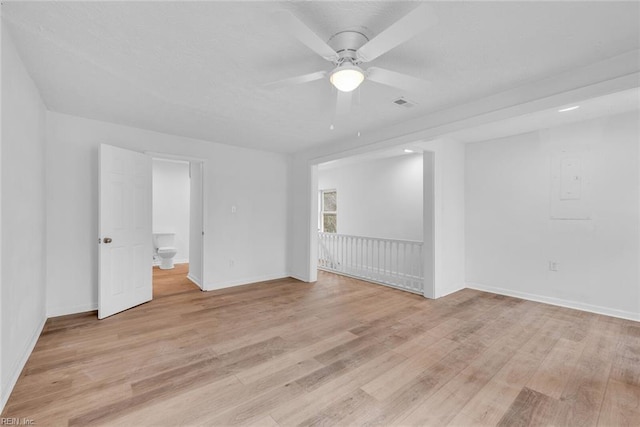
(23, 216)
(448, 217)
(615, 74)
(303, 225)
(511, 238)
(2, 386)
(378, 198)
(171, 201)
(254, 237)
(447, 259)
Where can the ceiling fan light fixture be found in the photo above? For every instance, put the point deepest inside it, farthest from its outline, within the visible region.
(347, 77)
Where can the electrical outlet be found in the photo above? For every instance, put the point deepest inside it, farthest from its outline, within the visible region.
(553, 266)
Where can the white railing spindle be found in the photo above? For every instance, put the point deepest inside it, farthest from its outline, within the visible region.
(396, 263)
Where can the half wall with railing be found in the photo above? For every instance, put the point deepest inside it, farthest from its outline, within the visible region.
(395, 263)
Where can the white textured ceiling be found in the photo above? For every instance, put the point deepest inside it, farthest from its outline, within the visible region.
(196, 68)
(602, 106)
(588, 109)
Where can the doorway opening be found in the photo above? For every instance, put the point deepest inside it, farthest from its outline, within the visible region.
(126, 240)
(177, 225)
(375, 218)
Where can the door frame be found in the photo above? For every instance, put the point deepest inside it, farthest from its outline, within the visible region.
(203, 196)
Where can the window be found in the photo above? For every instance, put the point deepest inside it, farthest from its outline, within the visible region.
(329, 211)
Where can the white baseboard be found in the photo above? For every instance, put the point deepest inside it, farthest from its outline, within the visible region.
(628, 315)
(450, 291)
(63, 311)
(175, 261)
(195, 280)
(16, 370)
(295, 276)
(246, 281)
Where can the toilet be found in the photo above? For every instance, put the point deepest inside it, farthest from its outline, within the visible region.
(163, 244)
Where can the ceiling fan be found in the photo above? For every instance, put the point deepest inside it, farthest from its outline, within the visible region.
(347, 50)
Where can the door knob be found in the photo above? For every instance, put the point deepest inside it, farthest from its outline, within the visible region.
(107, 240)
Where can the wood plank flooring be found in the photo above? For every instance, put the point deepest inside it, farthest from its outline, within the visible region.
(173, 281)
(337, 352)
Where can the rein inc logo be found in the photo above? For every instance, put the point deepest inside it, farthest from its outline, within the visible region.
(17, 422)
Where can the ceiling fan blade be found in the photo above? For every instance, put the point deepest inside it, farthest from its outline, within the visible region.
(398, 80)
(303, 33)
(305, 78)
(417, 21)
(343, 104)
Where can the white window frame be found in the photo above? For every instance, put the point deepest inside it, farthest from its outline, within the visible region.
(322, 212)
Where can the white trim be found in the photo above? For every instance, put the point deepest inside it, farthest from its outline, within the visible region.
(628, 315)
(175, 261)
(245, 281)
(452, 291)
(312, 230)
(175, 157)
(205, 222)
(180, 162)
(16, 370)
(322, 211)
(204, 198)
(63, 311)
(196, 281)
(431, 202)
(297, 277)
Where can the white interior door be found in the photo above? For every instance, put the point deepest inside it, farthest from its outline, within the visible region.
(126, 251)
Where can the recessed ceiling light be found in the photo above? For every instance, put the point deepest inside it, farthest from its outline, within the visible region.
(406, 150)
(575, 107)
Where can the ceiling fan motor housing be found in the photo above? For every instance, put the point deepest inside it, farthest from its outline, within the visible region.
(346, 43)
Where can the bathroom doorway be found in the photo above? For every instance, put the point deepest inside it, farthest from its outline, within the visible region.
(177, 224)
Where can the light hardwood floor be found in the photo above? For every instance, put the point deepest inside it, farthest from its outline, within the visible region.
(171, 282)
(337, 352)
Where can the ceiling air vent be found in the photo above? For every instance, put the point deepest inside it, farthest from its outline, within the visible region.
(404, 103)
